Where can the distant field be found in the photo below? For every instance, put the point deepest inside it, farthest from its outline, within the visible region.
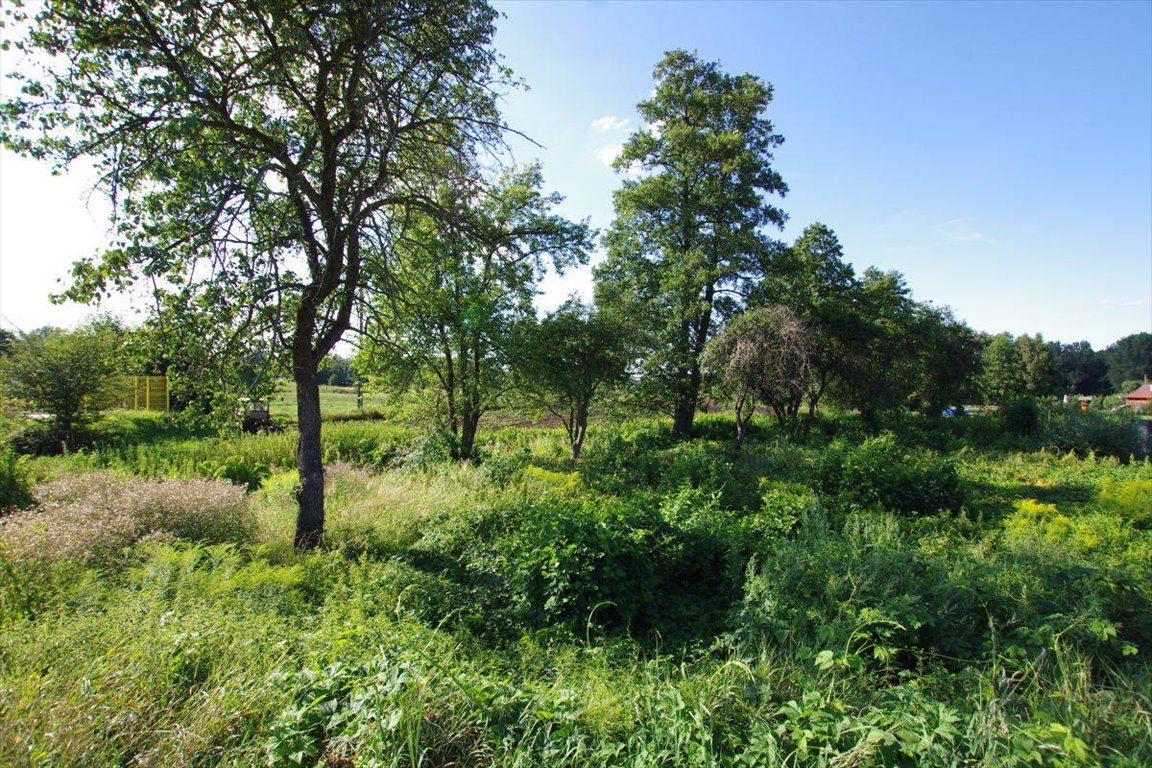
(334, 401)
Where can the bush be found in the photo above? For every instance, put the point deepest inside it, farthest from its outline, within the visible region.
(879, 471)
(15, 484)
(1020, 416)
(868, 593)
(436, 447)
(1131, 499)
(665, 569)
(67, 374)
(623, 458)
(237, 469)
(1092, 432)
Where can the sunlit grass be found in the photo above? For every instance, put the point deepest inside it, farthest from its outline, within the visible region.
(156, 614)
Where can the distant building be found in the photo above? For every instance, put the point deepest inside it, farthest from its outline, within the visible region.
(1140, 397)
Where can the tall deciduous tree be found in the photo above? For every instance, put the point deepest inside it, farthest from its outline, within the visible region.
(1078, 368)
(455, 290)
(1129, 359)
(250, 145)
(688, 237)
(948, 353)
(879, 368)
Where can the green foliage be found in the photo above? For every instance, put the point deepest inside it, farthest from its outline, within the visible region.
(1079, 369)
(452, 302)
(566, 359)
(670, 260)
(238, 469)
(664, 570)
(715, 608)
(870, 593)
(66, 374)
(1020, 416)
(1130, 499)
(15, 482)
(1016, 368)
(881, 472)
(1092, 432)
(1129, 359)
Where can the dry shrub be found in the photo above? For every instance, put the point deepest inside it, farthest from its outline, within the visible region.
(93, 517)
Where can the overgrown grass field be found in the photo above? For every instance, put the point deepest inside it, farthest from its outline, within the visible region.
(941, 594)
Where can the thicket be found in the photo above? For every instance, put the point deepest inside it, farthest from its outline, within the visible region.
(831, 599)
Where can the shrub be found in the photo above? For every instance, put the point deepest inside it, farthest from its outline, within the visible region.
(15, 484)
(67, 374)
(1091, 432)
(866, 593)
(783, 505)
(1130, 499)
(1087, 537)
(237, 469)
(859, 592)
(1020, 416)
(436, 447)
(879, 471)
(620, 459)
(665, 568)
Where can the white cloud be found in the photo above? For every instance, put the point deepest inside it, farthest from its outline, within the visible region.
(1125, 303)
(608, 153)
(610, 123)
(961, 231)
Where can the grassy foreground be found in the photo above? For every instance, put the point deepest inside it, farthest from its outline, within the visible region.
(940, 595)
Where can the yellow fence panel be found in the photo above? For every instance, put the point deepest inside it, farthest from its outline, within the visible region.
(143, 393)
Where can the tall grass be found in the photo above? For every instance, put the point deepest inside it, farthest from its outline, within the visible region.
(525, 610)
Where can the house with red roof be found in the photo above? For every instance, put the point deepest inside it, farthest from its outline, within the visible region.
(1141, 397)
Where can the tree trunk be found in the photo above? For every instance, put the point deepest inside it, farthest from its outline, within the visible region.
(309, 456)
(469, 423)
(683, 416)
(579, 430)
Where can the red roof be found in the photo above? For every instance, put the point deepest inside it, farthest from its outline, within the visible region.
(1144, 392)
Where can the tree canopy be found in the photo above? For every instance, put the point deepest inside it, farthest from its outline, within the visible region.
(687, 242)
(762, 355)
(568, 358)
(252, 148)
(68, 375)
(449, 301)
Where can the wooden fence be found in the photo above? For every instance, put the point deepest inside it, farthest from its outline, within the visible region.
(143, 393)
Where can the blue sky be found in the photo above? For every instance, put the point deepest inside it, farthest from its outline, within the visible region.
(999, 155)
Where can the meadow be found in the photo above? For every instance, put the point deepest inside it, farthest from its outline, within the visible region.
(941, 593)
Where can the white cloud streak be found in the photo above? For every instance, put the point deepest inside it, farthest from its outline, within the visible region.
(610, 123)
(1126, 303)
(961, 231)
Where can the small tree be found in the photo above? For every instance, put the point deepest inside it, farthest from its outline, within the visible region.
(449, 300)
(567, 359)
(67, 374)
(762, 356)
